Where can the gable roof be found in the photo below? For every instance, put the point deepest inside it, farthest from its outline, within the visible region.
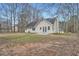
(32, 24)
(52, 20)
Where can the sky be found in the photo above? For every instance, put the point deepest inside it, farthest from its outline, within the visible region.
(50, 9)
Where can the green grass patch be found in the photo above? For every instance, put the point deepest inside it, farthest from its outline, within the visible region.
(62, 33)
(23, 38)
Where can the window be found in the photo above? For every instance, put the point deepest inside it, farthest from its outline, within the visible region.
(43, 29)
(40, 28)
(0, 26)
(52, 28)
(48, 27)
(33, 29)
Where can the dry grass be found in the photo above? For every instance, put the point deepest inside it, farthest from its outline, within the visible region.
(32, 44)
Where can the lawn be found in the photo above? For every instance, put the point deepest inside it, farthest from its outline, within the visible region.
(33, 44)
(23, 38)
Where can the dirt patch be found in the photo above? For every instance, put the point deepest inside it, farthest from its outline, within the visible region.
(50, 45)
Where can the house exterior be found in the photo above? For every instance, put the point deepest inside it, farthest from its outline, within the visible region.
(44, 26)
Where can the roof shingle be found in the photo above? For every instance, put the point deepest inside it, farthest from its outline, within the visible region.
(32, 24)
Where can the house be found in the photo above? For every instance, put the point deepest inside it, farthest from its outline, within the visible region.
(46, 26)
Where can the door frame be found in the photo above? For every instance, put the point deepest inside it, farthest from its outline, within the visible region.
(44, 29)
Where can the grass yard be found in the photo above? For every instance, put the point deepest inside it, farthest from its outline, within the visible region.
(23, 37)
(23, 44)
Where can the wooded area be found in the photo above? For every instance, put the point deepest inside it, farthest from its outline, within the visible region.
(18, 15)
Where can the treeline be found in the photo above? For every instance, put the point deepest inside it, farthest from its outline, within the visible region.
(20, 14)
(70, 15)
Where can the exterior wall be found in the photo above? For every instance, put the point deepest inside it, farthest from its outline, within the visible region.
(44, 24)
(29, 30)
(54, 28)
